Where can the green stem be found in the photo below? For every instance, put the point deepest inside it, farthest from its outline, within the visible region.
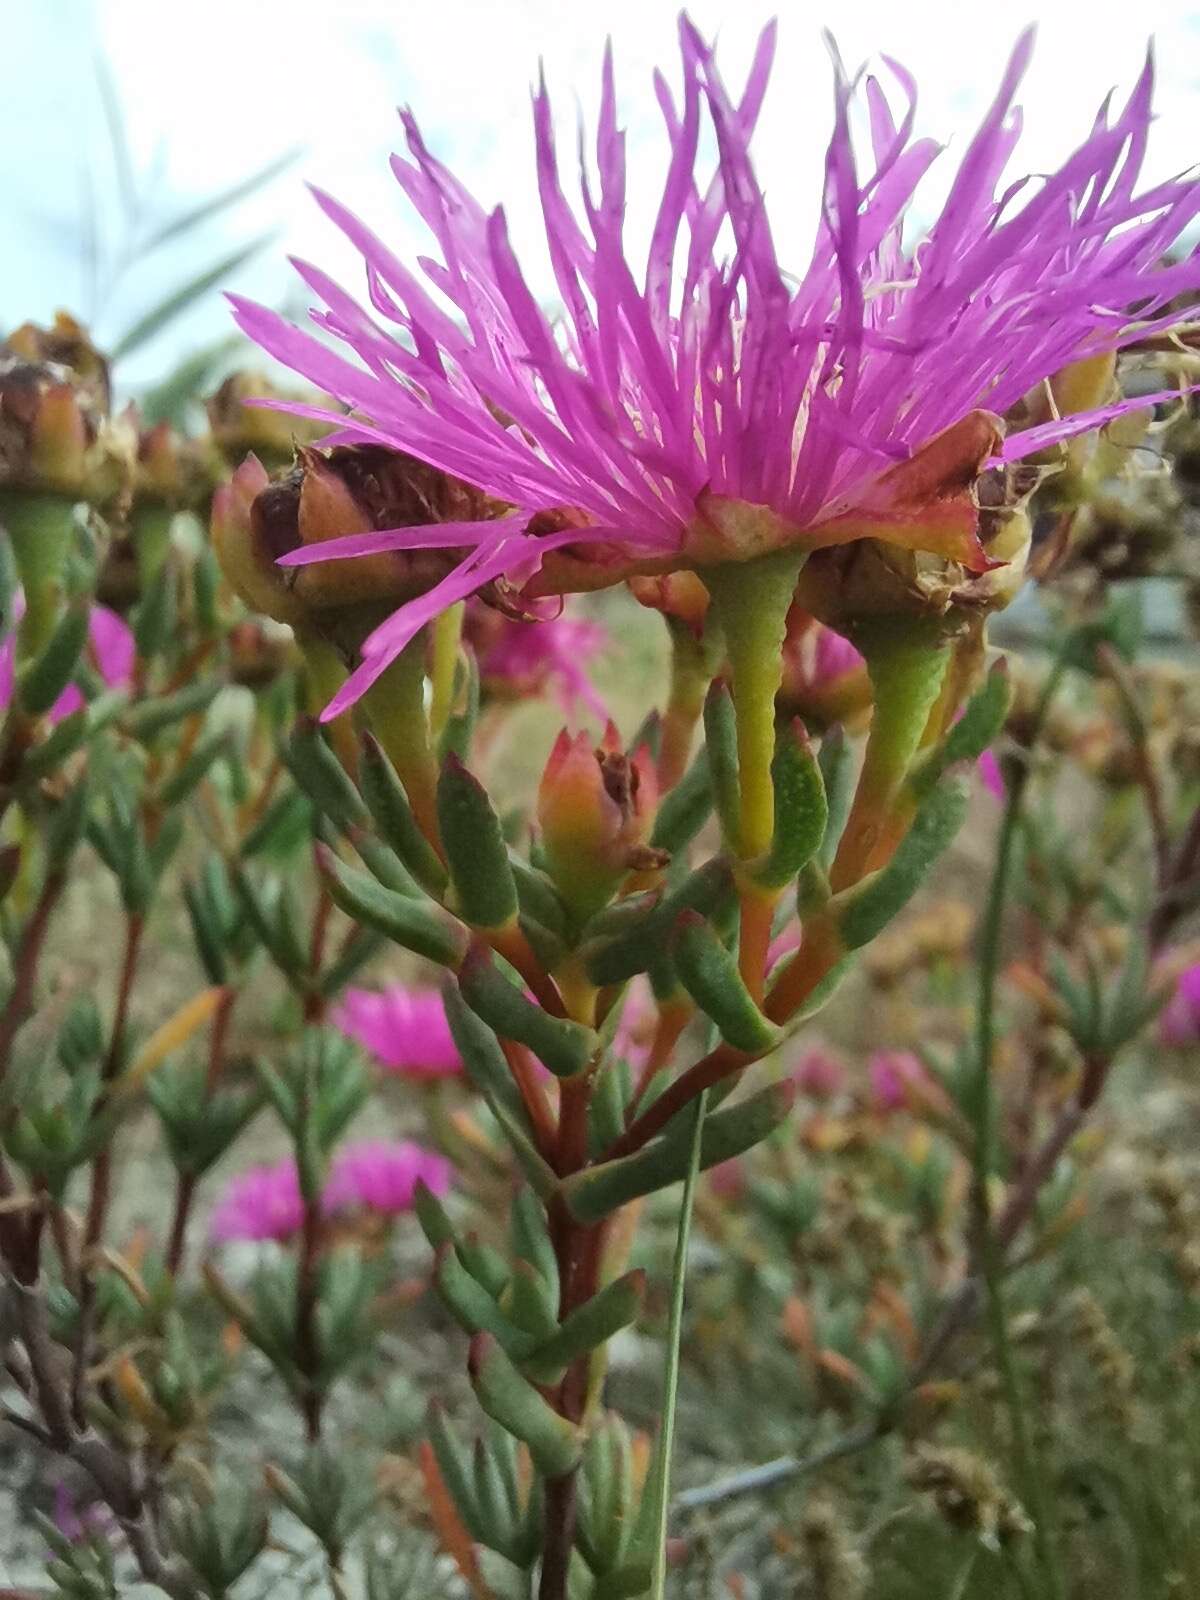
(907, 663)
(447, 632)
(991, 1260)
(751, 599)
(394, 706)
(661, 1487)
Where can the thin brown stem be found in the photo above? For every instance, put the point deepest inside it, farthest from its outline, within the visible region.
(25, 965)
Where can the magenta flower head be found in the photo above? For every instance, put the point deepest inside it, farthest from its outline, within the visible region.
(262, 1203)
(708, 404)
(404, 1029)
(824, 677)
(819, 1074)
(381, 1175)
(1179, 1021)
(110, 650)
(518, 660)
(892, 1074)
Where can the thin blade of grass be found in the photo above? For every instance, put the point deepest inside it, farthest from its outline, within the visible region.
(661, 1487)
(178, 301)
(205, 210)
(110, 104)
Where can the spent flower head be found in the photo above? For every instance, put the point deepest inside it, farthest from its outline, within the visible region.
(708, 405)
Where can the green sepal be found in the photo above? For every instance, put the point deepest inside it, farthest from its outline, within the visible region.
(720, 743)
(472, 1306)
(46, 678)
(801, 810)
(484, 887)
(423, 929)
(554, 1443)
(588, 1327)
(974, 732)
(685, 810)
(710, 975)
(393, 816)
(597, 1191)
(563, 1047)
(706, 890)
(311, 761)
(865, 910)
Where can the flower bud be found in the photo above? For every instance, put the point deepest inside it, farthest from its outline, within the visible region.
(824, 677)
(239, 429)
(55, 434)
(328, 495)
(595, 808)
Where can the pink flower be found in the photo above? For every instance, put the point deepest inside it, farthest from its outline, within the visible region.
(261, 1203)
(634, 1037)
(819, 1074)
(78, 1522)
(728, 1179)
(381, 1175)
(110, 647)
(1179, 1021)
(517, 660)
(892, 1073)
(824, 677)
(714, 403)
(989, 772)
(404, 1029)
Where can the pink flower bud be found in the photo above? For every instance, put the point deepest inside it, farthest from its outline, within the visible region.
(892, 1074)
(595, 808)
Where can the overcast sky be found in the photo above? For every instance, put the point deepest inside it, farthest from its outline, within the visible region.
(210, 92)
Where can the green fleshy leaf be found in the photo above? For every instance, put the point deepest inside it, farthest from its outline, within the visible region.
(686, 809)
(318, 772)
(554, 1443)
(710, 975)
(563, 1047)
(597, 1191)
(393, 816)
(592, 1324)
(801, 811)
(865, 910)
(423, 929)
(484, 887)
(720, 742)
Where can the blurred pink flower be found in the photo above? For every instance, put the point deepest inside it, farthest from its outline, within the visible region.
(78, 1521)
(1179, 1023)
(891, 1074)
(518, 660)
(635, 1031)
(260, 1203)
(727, 1179)
(110, 650)
(404, 1029)
(381, 1175)
(819, 1074)
(989, 771)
